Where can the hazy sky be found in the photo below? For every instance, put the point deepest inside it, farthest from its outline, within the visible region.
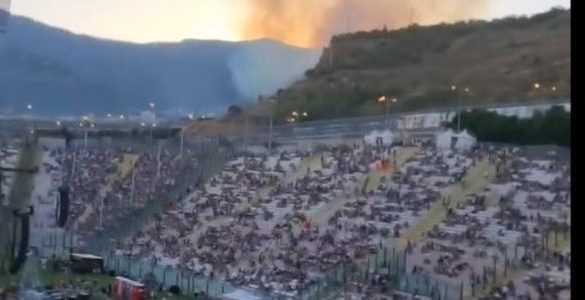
(173, 20)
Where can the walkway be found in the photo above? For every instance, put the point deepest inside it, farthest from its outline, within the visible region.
(322, 215)
(474, 181)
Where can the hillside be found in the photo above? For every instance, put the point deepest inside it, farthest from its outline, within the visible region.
(61, 73)
(499, 61)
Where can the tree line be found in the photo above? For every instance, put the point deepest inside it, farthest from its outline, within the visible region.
(550, 127)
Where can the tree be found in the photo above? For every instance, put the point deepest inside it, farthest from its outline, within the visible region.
(234, 110)
(551, 127)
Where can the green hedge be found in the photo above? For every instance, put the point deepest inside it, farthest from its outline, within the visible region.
(550, 127)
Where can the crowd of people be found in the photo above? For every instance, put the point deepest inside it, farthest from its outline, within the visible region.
(108, 185)
(510, 224)
(278, 223)
(8, 159)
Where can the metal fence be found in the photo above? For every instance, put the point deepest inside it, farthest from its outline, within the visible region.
(389, 262)
(206, 158)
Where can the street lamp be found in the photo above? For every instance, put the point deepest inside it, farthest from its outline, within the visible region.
(152, 106)
(461, 91)
(85, 123)
(190, 117)
(30, 117)
(536, 85)
(384, 100)
(151, 128)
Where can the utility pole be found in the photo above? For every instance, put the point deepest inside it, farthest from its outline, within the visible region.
(246, 132)
(132, 185)
(101, 212)
(461, 91)
(158, 161)
(182, 139)
(73, 165)
(270, 135)
(459, 113)
(388, 114)
(85, 138)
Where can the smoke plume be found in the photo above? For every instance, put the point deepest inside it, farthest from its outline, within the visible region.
(311, 23)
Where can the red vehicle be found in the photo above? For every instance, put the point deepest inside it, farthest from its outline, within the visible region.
(126, 289)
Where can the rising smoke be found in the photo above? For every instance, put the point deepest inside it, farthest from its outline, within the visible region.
(311, 23)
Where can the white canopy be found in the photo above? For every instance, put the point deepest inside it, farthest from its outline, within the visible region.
(452, 140)
(465, 141)
(385, 137)
(240, 295)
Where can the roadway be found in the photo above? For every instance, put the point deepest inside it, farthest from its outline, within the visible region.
(347, 127)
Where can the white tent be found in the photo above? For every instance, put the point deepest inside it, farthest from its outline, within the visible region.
(465, 141)
(444, 139)
(240, 295)
(451, 140)
(376, 137)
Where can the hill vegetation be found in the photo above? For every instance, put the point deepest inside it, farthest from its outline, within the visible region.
(551, 127)
(499, 61)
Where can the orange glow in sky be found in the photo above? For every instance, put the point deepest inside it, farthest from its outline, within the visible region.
(307, 23)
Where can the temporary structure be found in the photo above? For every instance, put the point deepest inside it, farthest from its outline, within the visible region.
(385, 137)
(465, 141)
(451, 140)
(240, 295)
(444, 139)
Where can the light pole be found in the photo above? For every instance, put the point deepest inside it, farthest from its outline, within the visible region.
(190, 116)
(151, 128)
(30, 125)
(386, 102)
(101, 226)
(270, 128)
(152, 106)
(132, 185)
(246, 128)
(85, 123)
(295, 117)
(460, 100)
